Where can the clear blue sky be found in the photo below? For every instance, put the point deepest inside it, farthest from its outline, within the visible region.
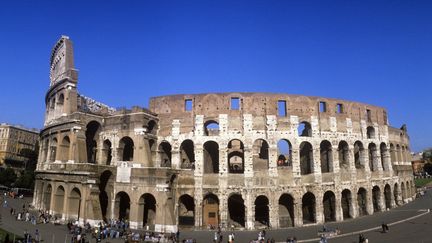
(377, 52)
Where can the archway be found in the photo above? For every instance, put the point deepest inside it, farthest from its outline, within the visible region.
(346, 203)
(47, 198)
(165, 154)
(211, 157)
(329, 204)
(362, 201)
(376, 198)
(343, 152)
(359, 155)
(211, 210)
(59, 200)
(387, 196)
(186, 211)
(122, 206)
(306, 158)
(262, 211)
(211, 128)
(187, 154)
(104, 200)
(92, 135)
(147, 209)
(236, 210)
(64, 149)
(373, 164)
(74, 203)
(304, 129)
(326, 157)
(260, 155)
(308, 208)
(284, 153)
(236, 156)
(107, 152)
(126, 149)
(286, 211)
(370, 132)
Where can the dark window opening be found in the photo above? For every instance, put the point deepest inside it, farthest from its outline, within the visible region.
(369, 115)
(304, 129)
(339, 108)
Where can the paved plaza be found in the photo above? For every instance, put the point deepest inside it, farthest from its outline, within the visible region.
(409, 223)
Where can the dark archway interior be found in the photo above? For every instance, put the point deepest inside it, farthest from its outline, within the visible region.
(326, 156)
(387, 195)
(128, 149)
(308, 208)
(124, 206)
(236, 210)
(103, 195)
(306, 160)
(262, 210)
(91, 144)
(186, 210)
(346, 204)
(286, 211)
(329, 204)
(361, 200)
(211, 157)
(376, 199)
(149, 209)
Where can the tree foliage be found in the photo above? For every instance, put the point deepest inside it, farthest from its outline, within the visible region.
(7, 177)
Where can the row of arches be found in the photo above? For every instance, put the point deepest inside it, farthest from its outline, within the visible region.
(290, 209)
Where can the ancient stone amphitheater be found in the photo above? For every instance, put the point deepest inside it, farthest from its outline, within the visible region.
(243, 160)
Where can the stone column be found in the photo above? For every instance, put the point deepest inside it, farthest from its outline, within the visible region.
(338, 206)
(248, 161)
(354, 208)
(223, 210)
(319, 208)
(198, 210)
(52, 200)
(296, 164)
(336, 164)
(134, 214)
(65, 214)
(273, 212)
(273, 155)
(298, 213)
(199, 160)
(369, 202)
(250, 211)
(317, 165)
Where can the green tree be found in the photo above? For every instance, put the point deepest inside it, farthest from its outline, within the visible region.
(7, 177)
(26, 180)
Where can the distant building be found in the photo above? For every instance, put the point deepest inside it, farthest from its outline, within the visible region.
(417, 163)
(14, 141)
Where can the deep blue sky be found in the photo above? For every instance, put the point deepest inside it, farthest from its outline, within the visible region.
(377, 52)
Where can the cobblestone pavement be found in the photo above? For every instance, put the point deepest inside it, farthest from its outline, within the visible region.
(415, 230)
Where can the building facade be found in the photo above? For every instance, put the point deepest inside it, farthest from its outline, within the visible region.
(242, 160)
(14, 140)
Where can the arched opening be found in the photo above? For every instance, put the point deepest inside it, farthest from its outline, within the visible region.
(370, 132)
(262, 211)
(304, 129)
(398, 153)
(260, 155)
(64, 147)
(107, 152)
(45, 151)
(376, 198)
(308, 208)
(211, 128)
(392, 153)
(358, 155)
(187, 154)
(362, 201)
(373, 163)
(46, 202)
(236, 210)
(343, 153)
(151, 127)
(53, 150)
(147, 209)
(59, 199)
(60, 104)
(286, 211)
(151, 153)
(326, 157)
(105, 186)
(387, 196)
(211, 210)
(329, 204)
(284, 153)
(384, 156)
(92, 135)
(165, 154)
(53, 103)
(74, 204)
(235, 156)
(122, 206)
(306, 158)
(126, 149)
(186, 211)
(211, 157)
(346, 203)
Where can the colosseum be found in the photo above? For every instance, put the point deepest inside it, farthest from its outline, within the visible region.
(240, 160)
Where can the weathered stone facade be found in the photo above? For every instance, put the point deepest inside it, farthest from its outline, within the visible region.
(241, 160)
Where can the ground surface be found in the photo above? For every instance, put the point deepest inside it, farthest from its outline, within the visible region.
(403, 228)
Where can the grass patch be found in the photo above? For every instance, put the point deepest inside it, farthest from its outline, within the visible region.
(3, 234)
(422, 181)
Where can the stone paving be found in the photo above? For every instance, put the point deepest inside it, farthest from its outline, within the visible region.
(412, 230)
